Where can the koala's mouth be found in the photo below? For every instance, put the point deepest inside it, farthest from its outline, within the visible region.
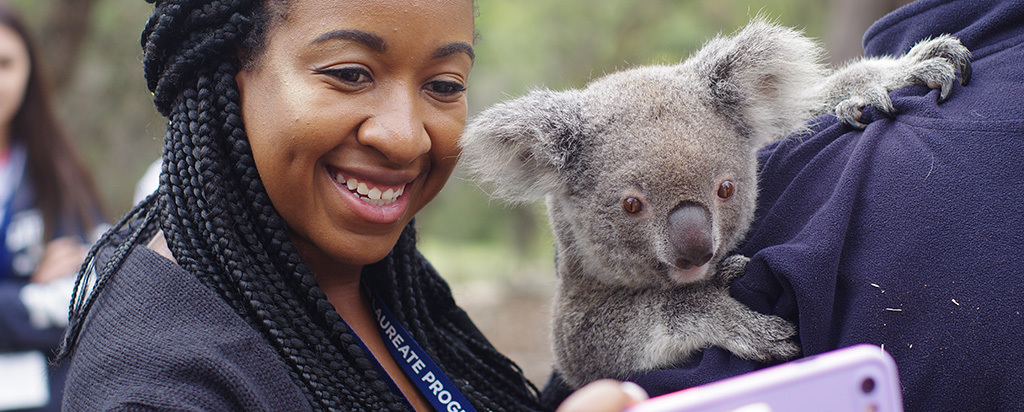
(684, 276)
(369, 192)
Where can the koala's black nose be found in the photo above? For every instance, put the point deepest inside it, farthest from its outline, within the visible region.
(689, 231)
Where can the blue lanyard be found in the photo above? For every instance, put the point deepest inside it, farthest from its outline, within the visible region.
(432, 382)
(5, 253)
(10, 180)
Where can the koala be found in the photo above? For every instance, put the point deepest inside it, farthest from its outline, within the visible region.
(650, 180)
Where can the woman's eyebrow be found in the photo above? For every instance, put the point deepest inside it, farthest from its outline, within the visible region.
(370, 40)
(377, 44)
(454, 47)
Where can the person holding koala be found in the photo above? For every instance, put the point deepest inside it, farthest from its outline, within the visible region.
(905, 234)
(275, 268)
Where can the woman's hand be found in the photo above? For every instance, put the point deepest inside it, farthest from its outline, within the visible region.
(605, 395)
(62, 257)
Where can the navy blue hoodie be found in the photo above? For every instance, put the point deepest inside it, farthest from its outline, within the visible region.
(908, 234)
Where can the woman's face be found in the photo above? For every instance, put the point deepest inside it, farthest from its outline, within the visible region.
(353, 112)
(14, 71)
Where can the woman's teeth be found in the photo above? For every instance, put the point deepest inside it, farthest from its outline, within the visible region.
(371, 194)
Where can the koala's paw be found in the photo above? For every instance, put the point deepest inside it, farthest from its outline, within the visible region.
(729, 269)
(764, 338)
(849, 111)
(932, 62)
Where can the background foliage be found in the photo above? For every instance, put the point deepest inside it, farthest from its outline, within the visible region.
(93, 46)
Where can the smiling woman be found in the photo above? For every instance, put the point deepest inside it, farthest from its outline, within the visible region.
(276, 268)
(329, 107)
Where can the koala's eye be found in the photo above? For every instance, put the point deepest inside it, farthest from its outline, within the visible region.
(726, 189)
(632, 205)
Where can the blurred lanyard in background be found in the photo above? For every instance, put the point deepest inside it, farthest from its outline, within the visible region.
(10, 179)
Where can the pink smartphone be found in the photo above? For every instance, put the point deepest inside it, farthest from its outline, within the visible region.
(860, 378)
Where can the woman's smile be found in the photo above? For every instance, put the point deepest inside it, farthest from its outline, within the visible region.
(377, 200)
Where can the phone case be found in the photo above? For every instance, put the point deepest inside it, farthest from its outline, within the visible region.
(860, 378)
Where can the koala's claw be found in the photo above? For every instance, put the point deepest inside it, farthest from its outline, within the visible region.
(768, 338)
(784, 350)
(849, 111)
(778, 343)
(947, 87)
(934, 62)
(965, 72)
(730, 268)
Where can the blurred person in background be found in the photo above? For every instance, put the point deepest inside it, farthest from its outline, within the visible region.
(49, 210)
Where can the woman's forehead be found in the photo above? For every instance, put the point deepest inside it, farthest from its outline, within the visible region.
(383, 17)
(387, 27)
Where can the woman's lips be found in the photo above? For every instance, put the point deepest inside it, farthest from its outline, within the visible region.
(369, 192)
(383, 199)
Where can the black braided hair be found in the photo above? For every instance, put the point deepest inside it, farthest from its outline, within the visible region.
(221, 226)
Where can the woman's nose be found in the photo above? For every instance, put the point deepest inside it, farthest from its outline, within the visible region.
(397, 128)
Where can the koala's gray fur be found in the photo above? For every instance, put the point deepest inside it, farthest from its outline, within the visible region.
(644, 291)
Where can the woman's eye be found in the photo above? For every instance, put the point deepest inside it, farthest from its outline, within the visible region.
(726, 189)
(350, 75)
(445, 88)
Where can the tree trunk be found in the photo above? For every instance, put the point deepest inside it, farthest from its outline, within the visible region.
(848, 19)
(62, 36)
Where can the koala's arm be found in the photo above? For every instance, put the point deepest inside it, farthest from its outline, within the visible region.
(868, 81)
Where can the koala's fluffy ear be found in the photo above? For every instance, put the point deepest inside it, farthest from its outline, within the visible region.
(523, 146)
(764, 78)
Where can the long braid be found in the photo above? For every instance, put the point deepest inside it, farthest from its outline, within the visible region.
(90, 282)
(423, 303)
(220, 226)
